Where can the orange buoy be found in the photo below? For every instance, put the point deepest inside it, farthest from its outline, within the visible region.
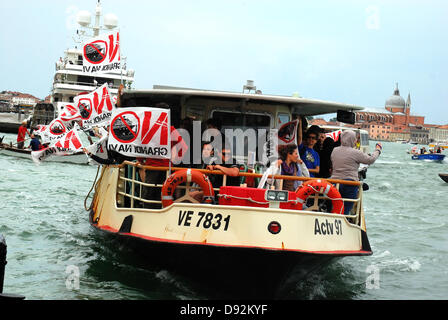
(311, 187)
(187, 175)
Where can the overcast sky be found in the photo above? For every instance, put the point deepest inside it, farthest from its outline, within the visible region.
(350, 51)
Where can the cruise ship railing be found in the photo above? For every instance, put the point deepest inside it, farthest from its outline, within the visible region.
(130, 188)
(89, 84)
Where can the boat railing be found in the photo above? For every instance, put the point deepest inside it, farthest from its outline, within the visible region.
(130, 188)
(89, 84)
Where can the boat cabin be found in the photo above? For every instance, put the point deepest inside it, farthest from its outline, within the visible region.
(232, 111)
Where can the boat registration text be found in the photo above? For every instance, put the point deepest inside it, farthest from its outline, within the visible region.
(327, 227)
(203, 219)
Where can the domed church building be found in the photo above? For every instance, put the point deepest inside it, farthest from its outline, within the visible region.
(394, 122)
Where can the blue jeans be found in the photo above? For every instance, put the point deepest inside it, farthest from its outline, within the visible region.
(349, 192)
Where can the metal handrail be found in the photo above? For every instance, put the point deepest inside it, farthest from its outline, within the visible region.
(90, 84)
(136, 184)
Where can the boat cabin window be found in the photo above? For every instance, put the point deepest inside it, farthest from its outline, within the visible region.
(234, 120)
(195, 112)
(243, 121)
(283, 118)
(364, 139)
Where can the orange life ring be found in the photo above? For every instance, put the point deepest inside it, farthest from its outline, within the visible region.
(311, 187)
(186, 175)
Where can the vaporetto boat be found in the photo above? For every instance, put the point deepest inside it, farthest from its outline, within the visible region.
(263, 239)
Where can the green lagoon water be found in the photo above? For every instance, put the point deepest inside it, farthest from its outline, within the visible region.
(50, 240)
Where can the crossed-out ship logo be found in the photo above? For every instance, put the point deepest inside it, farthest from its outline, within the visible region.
(95, 52)
(57, 128)
(125, 127)
(85, 108)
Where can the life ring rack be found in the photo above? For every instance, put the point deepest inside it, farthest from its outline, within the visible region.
(311, 187)
(182, 176)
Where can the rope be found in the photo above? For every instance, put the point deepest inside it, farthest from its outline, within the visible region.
(88, 194)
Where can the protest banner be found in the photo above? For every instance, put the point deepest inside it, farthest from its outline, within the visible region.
(141, 132)
(102, 54)
(69, 143)
(95, 108)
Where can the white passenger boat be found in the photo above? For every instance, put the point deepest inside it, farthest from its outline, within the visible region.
(70, 79)
(261, 239)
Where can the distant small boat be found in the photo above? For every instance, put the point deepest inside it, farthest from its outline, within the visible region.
(429, 157)
(441, 145)
(77, 158)
(444, 176)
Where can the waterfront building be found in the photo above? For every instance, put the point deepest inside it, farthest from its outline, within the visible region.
(394, 121)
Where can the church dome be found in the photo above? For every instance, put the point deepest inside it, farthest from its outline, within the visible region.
(396, 100)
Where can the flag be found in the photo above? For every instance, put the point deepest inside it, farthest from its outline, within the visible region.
(102, 54)
(141, 132)
(69, 143)
(99, 148)
(287, 133)
(95, 108)
(69, 112)
(54, 130)
(334, 135)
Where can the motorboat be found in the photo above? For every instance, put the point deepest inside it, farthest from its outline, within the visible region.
(437, 157)
(252, 237)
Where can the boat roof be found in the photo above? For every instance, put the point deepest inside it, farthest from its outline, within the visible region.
(298, 105)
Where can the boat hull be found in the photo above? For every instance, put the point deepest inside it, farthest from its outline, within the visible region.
(230, 272)
(429, 157)
(444, 176)
(236, 243)
(77, 158)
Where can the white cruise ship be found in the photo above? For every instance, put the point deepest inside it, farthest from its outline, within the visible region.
(70, 80)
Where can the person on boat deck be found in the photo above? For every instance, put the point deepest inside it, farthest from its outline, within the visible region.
(227, 167)
(325, 167)
(346, 160)
(308, 154)
(208, 155)
(178, 150)
(291, 165)
(23, 131)
(35, 144)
